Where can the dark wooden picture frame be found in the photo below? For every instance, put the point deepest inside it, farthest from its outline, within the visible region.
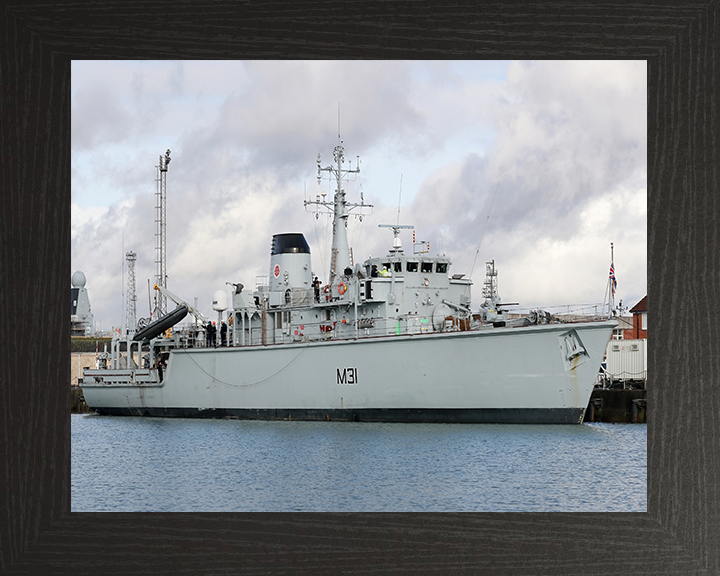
(680, 532)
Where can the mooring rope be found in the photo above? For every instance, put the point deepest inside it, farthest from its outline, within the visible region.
(254, 383)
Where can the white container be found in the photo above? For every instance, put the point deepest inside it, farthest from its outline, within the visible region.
(627, 359)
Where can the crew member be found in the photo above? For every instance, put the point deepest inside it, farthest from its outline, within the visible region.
(160, 364)
(316, 287)
(223, 334)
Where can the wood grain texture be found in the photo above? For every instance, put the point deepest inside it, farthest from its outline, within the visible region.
(679, 535)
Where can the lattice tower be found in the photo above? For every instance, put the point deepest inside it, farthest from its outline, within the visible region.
(130, 321)
(160, 227)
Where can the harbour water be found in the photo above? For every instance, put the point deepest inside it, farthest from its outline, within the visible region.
(124, 464)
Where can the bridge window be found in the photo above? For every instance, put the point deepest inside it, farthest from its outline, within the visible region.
(412, 266)
(398, 266)
(426, 268)
(441, 268)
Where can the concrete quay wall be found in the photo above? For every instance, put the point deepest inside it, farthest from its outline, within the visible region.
(78, 361)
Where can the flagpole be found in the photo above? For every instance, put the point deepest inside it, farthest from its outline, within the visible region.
(612, 280)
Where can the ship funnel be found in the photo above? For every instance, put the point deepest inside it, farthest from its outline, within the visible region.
(290, 267)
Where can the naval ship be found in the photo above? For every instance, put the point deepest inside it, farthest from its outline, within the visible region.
(391, 339)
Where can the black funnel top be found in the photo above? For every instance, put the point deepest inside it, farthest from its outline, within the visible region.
(289, 244)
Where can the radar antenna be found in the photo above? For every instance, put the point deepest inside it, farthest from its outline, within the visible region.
(397, 245)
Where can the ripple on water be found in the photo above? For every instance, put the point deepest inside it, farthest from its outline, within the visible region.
(156, 464)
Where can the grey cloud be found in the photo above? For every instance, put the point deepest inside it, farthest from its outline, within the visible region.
(284, 136)
(97, 116)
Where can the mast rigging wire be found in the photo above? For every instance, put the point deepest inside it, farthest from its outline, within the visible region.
(483, 232)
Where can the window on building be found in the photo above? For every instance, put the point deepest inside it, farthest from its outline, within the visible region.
(643, 321)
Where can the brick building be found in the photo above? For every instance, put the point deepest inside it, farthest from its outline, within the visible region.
(639, 328)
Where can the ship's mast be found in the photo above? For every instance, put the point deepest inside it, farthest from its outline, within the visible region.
(340, 208)
(490, 289)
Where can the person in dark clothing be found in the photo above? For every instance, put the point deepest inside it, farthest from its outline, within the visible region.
(208, 334)
(213, 335)
(160, 364)
(223, 334)
(316, 287)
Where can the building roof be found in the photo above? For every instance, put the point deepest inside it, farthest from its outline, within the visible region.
(624, 322)
(640, 306)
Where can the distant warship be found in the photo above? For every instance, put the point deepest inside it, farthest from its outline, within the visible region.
(81, 317)
(391, 339)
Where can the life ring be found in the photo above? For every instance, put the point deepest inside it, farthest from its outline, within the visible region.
(342, 288)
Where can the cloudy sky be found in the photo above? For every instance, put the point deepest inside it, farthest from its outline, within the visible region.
(546, 162)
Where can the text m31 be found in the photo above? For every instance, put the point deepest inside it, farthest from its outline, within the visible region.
(347, 376)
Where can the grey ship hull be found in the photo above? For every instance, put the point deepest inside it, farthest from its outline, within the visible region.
(502, 375)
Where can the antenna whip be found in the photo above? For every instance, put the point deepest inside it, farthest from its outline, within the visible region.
(399, 198)
(483, 232)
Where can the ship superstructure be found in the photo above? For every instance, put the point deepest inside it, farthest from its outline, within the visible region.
(81, 317)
